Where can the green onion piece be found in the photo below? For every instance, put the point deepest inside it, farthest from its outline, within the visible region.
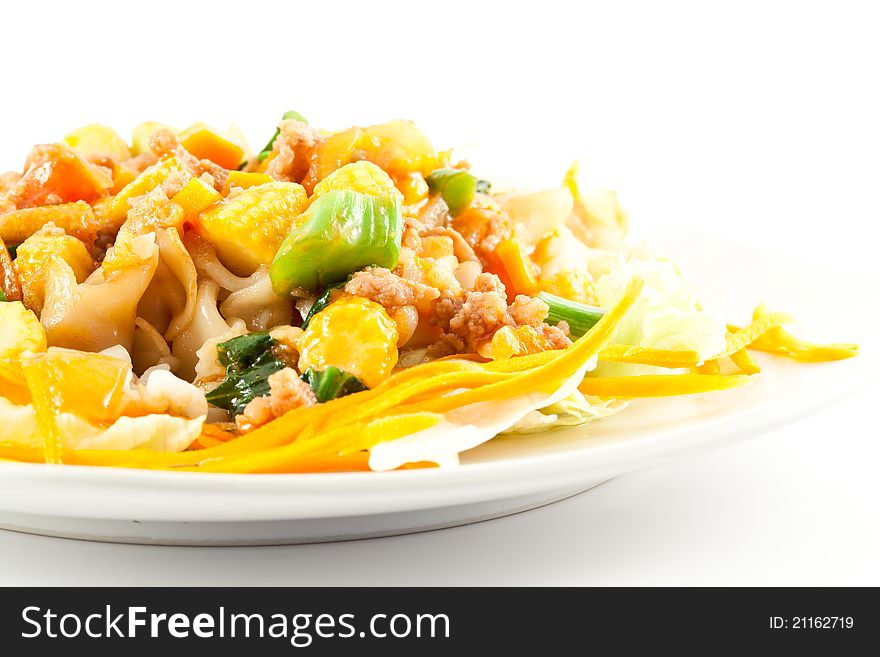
(12, 248)
(289, 114)
(580, 317)
(249, 361)
(239, 388)
(2, 296)
(331, 383)
(243, 351)
(456, 186)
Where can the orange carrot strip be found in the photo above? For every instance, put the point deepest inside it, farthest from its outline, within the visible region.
(517, 265)
(659, 385)
(709, 367)
(620, 353)
(744, 361)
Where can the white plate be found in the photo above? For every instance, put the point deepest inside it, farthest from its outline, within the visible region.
(502, 477)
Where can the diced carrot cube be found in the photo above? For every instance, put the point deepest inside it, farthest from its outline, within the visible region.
(195, 197)
(205, 144)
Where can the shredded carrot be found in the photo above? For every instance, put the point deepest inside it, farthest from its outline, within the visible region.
(211, 436)
(108, 458)
(710, 367)
(521, 363)
(340, 441)
(746, 336)
(620, 353)
(744, 361)
(659, 385)
(781, 342)
(18, 452)
(765, 333)
(418, 465)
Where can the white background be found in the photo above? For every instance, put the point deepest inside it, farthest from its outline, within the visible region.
(755, 121)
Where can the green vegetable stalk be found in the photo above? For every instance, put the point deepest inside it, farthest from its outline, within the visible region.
(342, 232)
(249, 361)
(457, 187)
(289, 114)
(580, 317)
(332, 383)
